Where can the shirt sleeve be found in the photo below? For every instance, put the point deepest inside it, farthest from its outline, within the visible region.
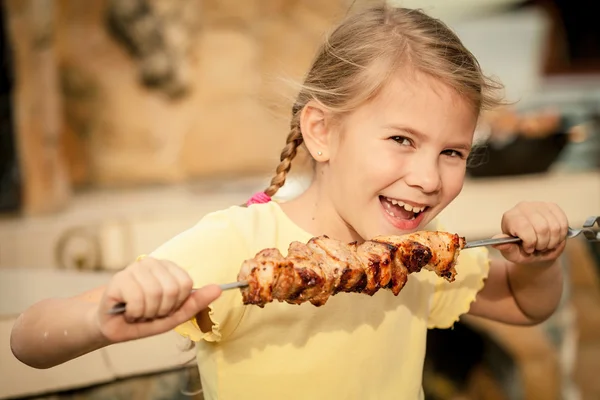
(453, 299)
(212, 252)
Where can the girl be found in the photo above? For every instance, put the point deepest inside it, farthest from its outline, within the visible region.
(388, 112)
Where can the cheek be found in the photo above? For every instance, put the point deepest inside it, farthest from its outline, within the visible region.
(381, 171)
(364, 163)
(452, 182)
(392, 168)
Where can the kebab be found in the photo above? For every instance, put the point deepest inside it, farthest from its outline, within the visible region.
(323, 267)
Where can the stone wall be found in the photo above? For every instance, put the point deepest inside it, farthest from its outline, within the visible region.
(169, 90)
(37, 104)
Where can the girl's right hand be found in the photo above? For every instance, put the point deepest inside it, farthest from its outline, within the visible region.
(158, 298)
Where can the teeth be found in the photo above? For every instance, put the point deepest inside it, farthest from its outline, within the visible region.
(407, 207)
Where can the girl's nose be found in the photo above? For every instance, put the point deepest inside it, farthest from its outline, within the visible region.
(425, 176)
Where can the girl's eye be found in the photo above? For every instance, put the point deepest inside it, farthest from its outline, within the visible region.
(404, 141)
(453, 153)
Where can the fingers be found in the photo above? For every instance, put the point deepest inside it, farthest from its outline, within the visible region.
(167, 287)
(541, 226)
(192, 306)
(184, 284)
(562, 221)
(519, 224)
(170, 289)
(152, 289)
(158, 297)
(128, 290)
(550, 224)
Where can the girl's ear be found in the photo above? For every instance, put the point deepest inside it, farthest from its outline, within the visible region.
(315, 124)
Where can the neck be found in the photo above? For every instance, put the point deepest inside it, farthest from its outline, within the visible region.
(314, 212)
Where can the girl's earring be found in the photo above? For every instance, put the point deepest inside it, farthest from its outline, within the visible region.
(319, 153)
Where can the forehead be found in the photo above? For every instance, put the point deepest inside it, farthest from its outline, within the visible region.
(425, 104)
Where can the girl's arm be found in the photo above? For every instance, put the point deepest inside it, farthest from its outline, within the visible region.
(525, 287)
(519, 294)
(158, 299)
(53, 331)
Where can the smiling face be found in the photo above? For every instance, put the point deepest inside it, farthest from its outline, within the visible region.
(396, 162)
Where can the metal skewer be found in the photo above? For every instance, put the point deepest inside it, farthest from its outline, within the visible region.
(491, 242)
(233, 285)
(588, 230)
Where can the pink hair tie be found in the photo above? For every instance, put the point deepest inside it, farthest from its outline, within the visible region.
(259, 198)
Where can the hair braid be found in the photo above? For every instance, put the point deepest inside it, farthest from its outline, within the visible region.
(293, 141)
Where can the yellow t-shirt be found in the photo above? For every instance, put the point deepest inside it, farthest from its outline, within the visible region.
(354, 347)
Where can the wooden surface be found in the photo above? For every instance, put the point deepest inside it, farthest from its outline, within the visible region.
(221, 111)
(38, 120)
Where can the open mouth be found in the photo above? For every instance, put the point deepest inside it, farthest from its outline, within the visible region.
(400, 210)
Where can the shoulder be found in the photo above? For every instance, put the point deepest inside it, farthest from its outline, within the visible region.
(231, 223)
(223, 237)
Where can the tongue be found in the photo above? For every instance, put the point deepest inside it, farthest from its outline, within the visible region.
(399, 212)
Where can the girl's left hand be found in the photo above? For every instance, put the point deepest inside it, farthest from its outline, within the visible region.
(542, 228)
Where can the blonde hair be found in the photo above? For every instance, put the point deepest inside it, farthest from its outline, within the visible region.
(365, 50)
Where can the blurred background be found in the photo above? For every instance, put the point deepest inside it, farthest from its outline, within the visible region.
(125, 121)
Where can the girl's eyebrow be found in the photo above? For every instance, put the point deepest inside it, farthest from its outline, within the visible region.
(461, 146)
(406, 129)
(421, 135)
